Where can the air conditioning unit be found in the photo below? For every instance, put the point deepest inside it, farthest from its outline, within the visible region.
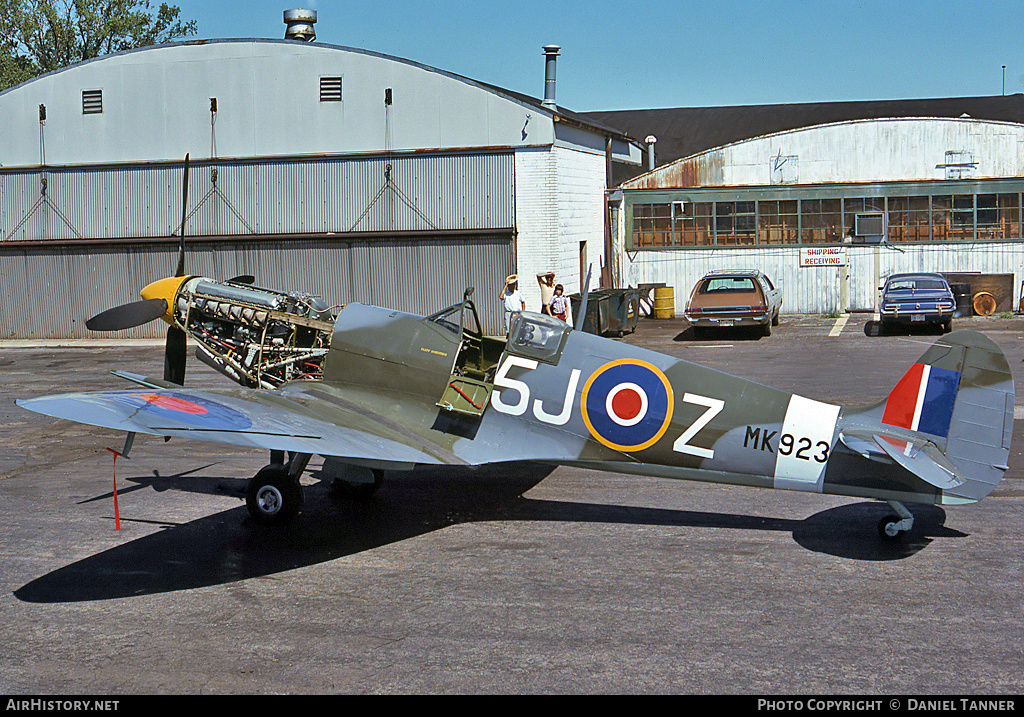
(869, 227)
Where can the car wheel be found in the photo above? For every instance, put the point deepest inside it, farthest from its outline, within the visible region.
(766, 328)
(775, 319)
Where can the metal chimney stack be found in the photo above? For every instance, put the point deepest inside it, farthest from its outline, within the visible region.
(300, 25)
(551, 53)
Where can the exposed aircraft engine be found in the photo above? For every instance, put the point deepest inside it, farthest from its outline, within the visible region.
(257, 337)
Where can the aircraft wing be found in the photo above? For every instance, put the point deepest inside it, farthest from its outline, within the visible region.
(265, 419)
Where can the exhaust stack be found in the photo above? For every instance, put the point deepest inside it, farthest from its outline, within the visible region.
(300, 25)
(551, 55)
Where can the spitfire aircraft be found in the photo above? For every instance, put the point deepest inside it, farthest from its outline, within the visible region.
(380, 390)
(373, 389)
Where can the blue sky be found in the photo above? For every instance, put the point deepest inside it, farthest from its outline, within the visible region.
(633, 54)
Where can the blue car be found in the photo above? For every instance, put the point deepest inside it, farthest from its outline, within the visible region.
(917, 299)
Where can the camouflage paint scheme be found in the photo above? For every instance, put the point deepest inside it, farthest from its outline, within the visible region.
(401, 390)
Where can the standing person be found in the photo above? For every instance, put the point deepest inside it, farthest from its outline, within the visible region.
(561, 307)
(513, 300)
(547, 290)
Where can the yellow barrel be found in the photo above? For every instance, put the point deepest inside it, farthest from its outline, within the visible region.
(664, 302)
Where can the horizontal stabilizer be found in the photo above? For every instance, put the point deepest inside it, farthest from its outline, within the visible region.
(864, 444)
(923, 460)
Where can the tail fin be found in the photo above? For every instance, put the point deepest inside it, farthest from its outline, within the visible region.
(960, 394)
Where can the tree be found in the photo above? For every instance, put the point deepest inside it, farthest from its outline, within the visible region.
(39, 36)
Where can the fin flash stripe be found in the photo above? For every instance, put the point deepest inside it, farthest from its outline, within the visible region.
(923, 400)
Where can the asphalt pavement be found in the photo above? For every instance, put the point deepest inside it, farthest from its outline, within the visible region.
(506, 580)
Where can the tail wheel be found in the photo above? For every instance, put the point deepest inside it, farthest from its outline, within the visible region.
(273, 497)
(889, 528)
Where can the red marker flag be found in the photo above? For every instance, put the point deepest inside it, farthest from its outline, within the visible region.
(117, 514)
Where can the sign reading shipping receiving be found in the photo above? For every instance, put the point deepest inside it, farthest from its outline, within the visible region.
(823, 256)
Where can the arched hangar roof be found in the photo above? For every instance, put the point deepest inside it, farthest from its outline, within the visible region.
(874, 150)
(273, 98)
(686, 131)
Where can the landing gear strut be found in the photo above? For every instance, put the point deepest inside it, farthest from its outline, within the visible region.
(892, 527)
(274, 494)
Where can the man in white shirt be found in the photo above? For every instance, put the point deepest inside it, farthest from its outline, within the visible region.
(547, 290)
(512, 298)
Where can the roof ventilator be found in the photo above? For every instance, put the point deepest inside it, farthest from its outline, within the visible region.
(300, 25)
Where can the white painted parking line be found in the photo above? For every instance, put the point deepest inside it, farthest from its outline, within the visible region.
(840, 323)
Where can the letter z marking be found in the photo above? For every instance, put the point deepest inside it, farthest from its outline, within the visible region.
(714, 407)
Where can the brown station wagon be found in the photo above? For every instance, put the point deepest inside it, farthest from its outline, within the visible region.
(734, 298)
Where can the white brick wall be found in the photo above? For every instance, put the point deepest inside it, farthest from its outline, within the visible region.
(559, 203)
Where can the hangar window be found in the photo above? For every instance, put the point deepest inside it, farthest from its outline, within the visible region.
(821, 221)
(652, 225)
(1008, 222)
(909, 219)
(679, 223)
(735, 223)
(998, 216)
(779, 222)
(831, 220)
(92, 102)
(692, 224)
(953, 217)
(330, 89)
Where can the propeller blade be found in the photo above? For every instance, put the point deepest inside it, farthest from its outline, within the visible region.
(184, 208)
(582, 313)
(126, 316)
(174, 356)
(243, 279)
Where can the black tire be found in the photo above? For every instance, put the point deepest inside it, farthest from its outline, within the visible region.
(884, 526)
(273, 498)
(766, 328)
(775, 319)
(947, 326)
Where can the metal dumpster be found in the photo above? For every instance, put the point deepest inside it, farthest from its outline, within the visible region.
(623, 310)
(596, 319)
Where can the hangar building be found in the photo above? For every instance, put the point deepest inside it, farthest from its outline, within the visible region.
(915, 185)
(342, 172)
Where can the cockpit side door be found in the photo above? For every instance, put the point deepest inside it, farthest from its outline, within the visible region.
(472, 378)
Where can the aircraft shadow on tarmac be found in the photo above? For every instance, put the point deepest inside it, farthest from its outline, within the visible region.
(226, 547)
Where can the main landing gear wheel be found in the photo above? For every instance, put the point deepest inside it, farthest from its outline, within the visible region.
(273, 496)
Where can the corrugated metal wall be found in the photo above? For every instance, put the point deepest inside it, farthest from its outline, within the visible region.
(422, 192)
(51, 292)
(817, 290)
(97, 215)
